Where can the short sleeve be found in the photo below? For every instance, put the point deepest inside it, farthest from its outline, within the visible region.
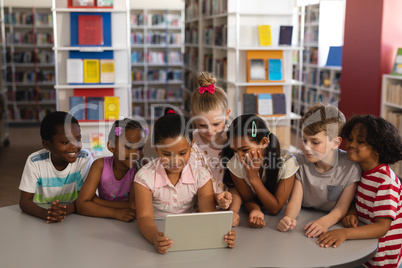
(29, 177)
(203, 176)
(289, 168)
(236, 168)
(86, 163)
(143, 178)
(355, 173)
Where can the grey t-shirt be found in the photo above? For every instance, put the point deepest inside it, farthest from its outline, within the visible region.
(322, 190)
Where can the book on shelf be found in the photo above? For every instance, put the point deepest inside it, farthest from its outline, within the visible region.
(257, 70)
(82, 3)
(104, 3)
(334, 56)
(96, 143)
(75, 71)
(90, 30)
(95, 108)
(279, 103)
(285, 35)
(107, 71)
(264, 34)
(91, 71)
(250, 103)
(265, 105)
(77, 107)
(275, 72)
(397, 69)
(393, 94)
(112, 108)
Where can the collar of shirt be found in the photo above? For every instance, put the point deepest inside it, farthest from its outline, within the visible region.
(161, 178)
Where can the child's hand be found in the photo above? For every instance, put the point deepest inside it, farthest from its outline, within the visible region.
(125, 214)
(315, 228)
(350, 221)
(286, 223)
(252, 163)
(162, 243)
(256, 219)
(224, 199)
(230, 239)
(335, 237)
(56, 212)
(236, 219)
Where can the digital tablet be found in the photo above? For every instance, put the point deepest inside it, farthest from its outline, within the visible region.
(202, 230)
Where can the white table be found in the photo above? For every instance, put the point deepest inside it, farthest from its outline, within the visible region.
(80, 241)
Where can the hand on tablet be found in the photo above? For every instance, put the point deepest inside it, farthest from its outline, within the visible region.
(162, 243)
(230, 239)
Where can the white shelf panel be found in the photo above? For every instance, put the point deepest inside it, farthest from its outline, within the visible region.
(91, 10)
(247, 84)
(268, 48)
(393, 105)
(92, 86)
(89, 49)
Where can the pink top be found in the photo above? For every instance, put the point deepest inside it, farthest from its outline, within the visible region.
(210, 159)
(111, 189)
(169, 199)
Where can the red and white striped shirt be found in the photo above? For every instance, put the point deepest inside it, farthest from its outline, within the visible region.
(379, 195)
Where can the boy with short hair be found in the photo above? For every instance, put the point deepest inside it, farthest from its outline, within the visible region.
(53, 176)
(326, 179)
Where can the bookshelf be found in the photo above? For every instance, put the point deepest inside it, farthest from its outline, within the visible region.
(220, 35)
(156, 60)
(30, 63)
(391, 107)
(320, 26)
(4, 141)
(113, 44)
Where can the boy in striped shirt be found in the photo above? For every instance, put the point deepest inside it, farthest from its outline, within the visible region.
(53, 176)
(374, 143)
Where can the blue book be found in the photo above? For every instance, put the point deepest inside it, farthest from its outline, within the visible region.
(279, 103)
(275, 72)
(334, 56)
(285, 35)
(95, 108)
(77, 107)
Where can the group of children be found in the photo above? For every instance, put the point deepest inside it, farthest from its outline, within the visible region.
(204, 165)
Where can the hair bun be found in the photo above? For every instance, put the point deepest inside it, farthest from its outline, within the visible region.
(169, 110)
(205, 79)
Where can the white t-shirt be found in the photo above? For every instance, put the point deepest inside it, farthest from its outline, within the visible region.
(49, 184)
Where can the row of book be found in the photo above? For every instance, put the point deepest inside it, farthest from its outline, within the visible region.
(265, 37)
(156, 111)
(265, 70)
(393, 94)
(156, 57)
(25, 38)
(191, 57)
(395, 118)
(156, 38)
(156, 75)
(221, 68)
(42, 56)
(32, 95)
(26, 18)
(311, 35)
(208, 61)
(28, 113)
(310, 56)
(191, 10)
(155, 19)
(311, 95)
(215, 35)
(191, 35)
(264, 104)
(95, 108)
(31, 76)
(157, 94)
(90, 71)
(214, 7)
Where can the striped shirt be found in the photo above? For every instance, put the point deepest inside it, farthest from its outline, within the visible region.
(379, 195)
(49, 184)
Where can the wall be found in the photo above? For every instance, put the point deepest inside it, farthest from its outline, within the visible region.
(174, 4)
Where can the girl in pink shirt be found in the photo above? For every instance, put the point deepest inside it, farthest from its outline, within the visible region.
(113, 176)
(173, 182)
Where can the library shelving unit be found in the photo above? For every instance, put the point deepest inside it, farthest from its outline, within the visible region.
(30, 63)
(391, 107)
(156, 60)
(4, 141)
(114, 45)
(219, 37)
(320, 26)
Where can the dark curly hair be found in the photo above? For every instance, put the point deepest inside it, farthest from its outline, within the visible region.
(52, 120)
(378, 133)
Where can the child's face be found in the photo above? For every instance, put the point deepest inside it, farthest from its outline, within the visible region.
(318, 147)
(128, 148)
(359, 150)
(211, 124)
(64, 147)
(242, 146)
(175, 154)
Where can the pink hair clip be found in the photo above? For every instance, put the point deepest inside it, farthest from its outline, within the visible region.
(146, 131)
(118, 131)
(210, 89)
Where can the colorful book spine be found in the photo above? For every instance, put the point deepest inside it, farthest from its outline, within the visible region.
(95, 106)
(77, 107)
(112, 108)
(91, 71)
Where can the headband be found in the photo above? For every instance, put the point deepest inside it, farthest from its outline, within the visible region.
(210, 89)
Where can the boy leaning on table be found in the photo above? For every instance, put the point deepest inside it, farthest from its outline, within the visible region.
(326, 179)
(53, 176)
